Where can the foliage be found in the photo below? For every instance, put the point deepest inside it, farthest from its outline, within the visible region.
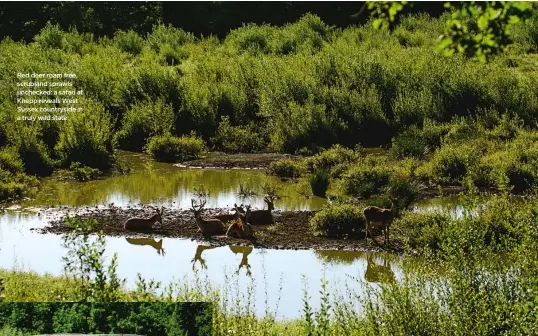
(168, 148)
(143, 120)
(492, 32)
(332, 157)
(237, 139)
(338, 220)
(319, 182)
(286, 168)
(365, 180)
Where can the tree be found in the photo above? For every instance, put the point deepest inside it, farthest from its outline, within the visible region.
(477, 29)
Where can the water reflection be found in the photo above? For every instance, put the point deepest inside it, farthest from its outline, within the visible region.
(157, 245)
(164, 184)
(243, 250)
(378, 272)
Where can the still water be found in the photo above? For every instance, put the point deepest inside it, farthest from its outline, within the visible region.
(277, 272)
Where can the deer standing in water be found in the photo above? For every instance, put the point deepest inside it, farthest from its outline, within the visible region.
(241, 228)
(379, 217)
(158, 245)
(208, 227)
(263, 217)
(137, 223)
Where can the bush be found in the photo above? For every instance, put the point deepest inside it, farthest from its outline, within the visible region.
(169, 148)
(285, 168)
(319, 182)
(333, 156)
(129, 42)
(365, 180)
(33, 152)
(144, 120)
(415, 142)
(403, 188)
(421, 230)
(448, 165)
(83, 173)
(10, 161)
(237, 139)
(338, 220)
(86, 137)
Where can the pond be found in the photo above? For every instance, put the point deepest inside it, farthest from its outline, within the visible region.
(277, 272)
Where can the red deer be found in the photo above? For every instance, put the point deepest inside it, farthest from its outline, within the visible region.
(263, 217)
(241, 228)
(208, 227)
(379, 217)
(136, 223)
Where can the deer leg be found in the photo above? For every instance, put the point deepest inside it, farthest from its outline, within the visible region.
(367, 225)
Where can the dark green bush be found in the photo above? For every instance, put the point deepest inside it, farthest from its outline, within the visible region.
(421, 230)
(333, 156)
(319, 182)
(10, 160)
(365, 180)
(86, 137)
(286, 168)
(144, 120)
(337, 221)
(449, 164)
(129, 42)
(403, 188)
(416, 142)
(169, 148)
(237, 139)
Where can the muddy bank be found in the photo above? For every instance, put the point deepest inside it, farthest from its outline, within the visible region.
(236, 161)
(291, 230)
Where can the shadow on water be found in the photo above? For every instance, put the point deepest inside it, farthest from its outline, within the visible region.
(244, 251)
(157, 245)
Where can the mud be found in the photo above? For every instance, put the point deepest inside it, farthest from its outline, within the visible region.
(290, 231)
(237, 161)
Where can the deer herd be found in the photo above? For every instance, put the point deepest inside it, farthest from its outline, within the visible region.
(243, 218)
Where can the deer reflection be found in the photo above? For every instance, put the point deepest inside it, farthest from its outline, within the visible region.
(158, 245)
(198, 256)
(378, 273)
(244, 250)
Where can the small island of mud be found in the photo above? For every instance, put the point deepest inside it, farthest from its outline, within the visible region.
(291, 231)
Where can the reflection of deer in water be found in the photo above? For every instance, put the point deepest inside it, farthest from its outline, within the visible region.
(158, 245)
(245, 250)
(378, 273)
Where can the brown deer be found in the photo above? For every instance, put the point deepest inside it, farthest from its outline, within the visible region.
(229, 217)
(379, 217)
(208, 227)
(137, 223)
(158, 245)
(241, 228)
(263, 217)
(245, 250)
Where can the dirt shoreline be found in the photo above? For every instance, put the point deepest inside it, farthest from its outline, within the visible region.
(236, 161)
(291, 231)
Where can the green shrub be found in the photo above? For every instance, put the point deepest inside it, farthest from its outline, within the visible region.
(319, 182)
(286, 168)
(365, 180)
(403, 188)
(83, 173)
(421, 230)
(86, 137)
(237, 139)
(415, 142)
(129, 42)
(163, 36)
(169, 148)
(333, 156)
(449, 165)
(10, 160)
(144, 120)
(337, 221)
(33, 152)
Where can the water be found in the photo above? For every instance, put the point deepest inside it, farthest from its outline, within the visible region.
(172, 259)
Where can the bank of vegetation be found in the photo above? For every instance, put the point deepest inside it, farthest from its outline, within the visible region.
(299, 88)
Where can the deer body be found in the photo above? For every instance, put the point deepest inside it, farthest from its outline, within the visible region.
(208, 227)
(379, 217)
(241, 228)
(262, 217)
(137, 223)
